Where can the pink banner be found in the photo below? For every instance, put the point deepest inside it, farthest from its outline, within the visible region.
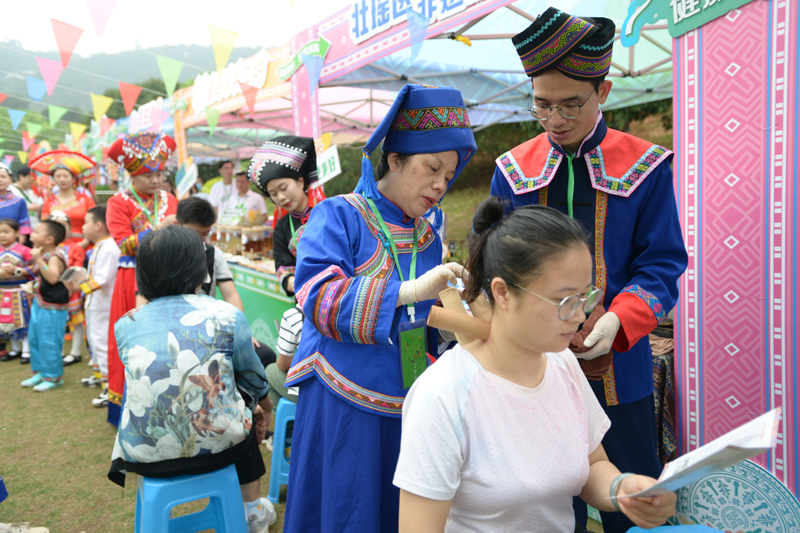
(736, 120)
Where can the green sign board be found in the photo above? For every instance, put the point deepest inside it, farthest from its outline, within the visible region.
(682, 16)
(317, 47)
(264, 302)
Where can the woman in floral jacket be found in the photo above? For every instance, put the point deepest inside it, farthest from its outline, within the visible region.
(194, 384)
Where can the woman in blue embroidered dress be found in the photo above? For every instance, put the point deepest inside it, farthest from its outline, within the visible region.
(12, 206)
(193, 382)
(368, 271)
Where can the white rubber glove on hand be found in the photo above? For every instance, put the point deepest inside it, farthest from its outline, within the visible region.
(601, 337)
(430, 284)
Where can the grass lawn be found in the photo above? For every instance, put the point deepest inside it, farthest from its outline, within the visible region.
(55, 451)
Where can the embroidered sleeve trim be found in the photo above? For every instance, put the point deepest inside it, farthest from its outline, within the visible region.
(326, 308)
(650, 299)
(89, 286)
(521, 184)
(348, 390)
(625, 185)
(367, 310)
(284, 272)
(331, 271)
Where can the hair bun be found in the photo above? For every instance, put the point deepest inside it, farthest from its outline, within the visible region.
(489, 212)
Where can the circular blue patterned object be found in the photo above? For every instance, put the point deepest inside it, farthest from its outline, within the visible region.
(744, 498)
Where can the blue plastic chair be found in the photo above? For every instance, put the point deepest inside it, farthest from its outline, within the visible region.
(279, 474)
(155, 498)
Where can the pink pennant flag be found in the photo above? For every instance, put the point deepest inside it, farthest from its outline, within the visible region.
(105, 124)
(27, 141)
(3, 96)
(67, 37)
(51, 70)
(249, 92)
(8, 159)
(100, 10)
(129, 93)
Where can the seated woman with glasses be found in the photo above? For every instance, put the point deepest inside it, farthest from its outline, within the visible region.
(500, 435)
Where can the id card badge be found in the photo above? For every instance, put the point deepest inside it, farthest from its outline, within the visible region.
(413, 350)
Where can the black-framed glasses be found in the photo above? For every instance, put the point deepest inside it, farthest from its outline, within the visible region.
(570, 304)
(568, 110)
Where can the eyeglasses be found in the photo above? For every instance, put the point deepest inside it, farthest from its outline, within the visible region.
(568, 110)
(570, 304)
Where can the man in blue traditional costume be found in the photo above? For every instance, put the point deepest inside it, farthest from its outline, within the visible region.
(620, 187)
(368, 271)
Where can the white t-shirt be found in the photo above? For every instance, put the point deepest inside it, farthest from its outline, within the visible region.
(220, 193)
(291, 331)
(509, 457)
(251, 201)
(221, 273)
(31, 200)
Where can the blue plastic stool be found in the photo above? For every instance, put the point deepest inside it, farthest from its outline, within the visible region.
(279, 473)
(155, 498)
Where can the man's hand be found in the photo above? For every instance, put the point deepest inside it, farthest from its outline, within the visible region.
(261, 419)
(602, 336)
(168, 221)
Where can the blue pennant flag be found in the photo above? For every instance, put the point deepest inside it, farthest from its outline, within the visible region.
(36, 88)
(417, 30)
(313, 65)
(16, 117)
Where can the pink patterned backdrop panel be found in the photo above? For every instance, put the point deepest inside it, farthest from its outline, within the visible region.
(733, 100)
(736, 116)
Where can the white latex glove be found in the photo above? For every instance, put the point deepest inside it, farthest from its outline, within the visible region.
(601, 337)
(430, 284)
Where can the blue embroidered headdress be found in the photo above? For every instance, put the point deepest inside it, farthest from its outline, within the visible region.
(422, 120)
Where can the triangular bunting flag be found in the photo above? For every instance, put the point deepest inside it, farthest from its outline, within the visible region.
(417, 30)
(55, 112)
(8, 159)
(34, 148)
(170, 72)
(100, 105)
(67, 37)
(249, 92)
(34, 129)
(212, 117)
(105, 124)
(313, 69)
(50, 70)
(222, 43)
(16, 116)
(2, 152)
(77, 130)
(129, 93)
(26, 141)
(3, 96)
(100, 10)
(36, 88)
(23, 157)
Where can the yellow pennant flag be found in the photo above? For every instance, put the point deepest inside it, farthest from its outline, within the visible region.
(222, 43)
(77, 130)
(100, 105)
(23, 157)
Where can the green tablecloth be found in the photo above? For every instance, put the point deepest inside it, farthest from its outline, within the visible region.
(264, 302)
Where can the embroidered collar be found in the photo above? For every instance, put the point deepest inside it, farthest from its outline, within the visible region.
(391, 211)
(590, 142)
(302, 217)
(8, 196)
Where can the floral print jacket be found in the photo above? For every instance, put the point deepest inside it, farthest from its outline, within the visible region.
(186, 360)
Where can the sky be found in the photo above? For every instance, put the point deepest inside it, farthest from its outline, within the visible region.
(147, 23)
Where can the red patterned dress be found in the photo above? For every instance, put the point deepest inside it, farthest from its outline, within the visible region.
(128, 224)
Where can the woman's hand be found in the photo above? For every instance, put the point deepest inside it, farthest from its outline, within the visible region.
(429, 285)
(261, 422)
(290, 284)
(168, 221)
(645, 512)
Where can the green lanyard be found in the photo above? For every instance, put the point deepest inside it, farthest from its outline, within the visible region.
(388, 243)
(570, 185)
(150, 216)
(291, 225)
